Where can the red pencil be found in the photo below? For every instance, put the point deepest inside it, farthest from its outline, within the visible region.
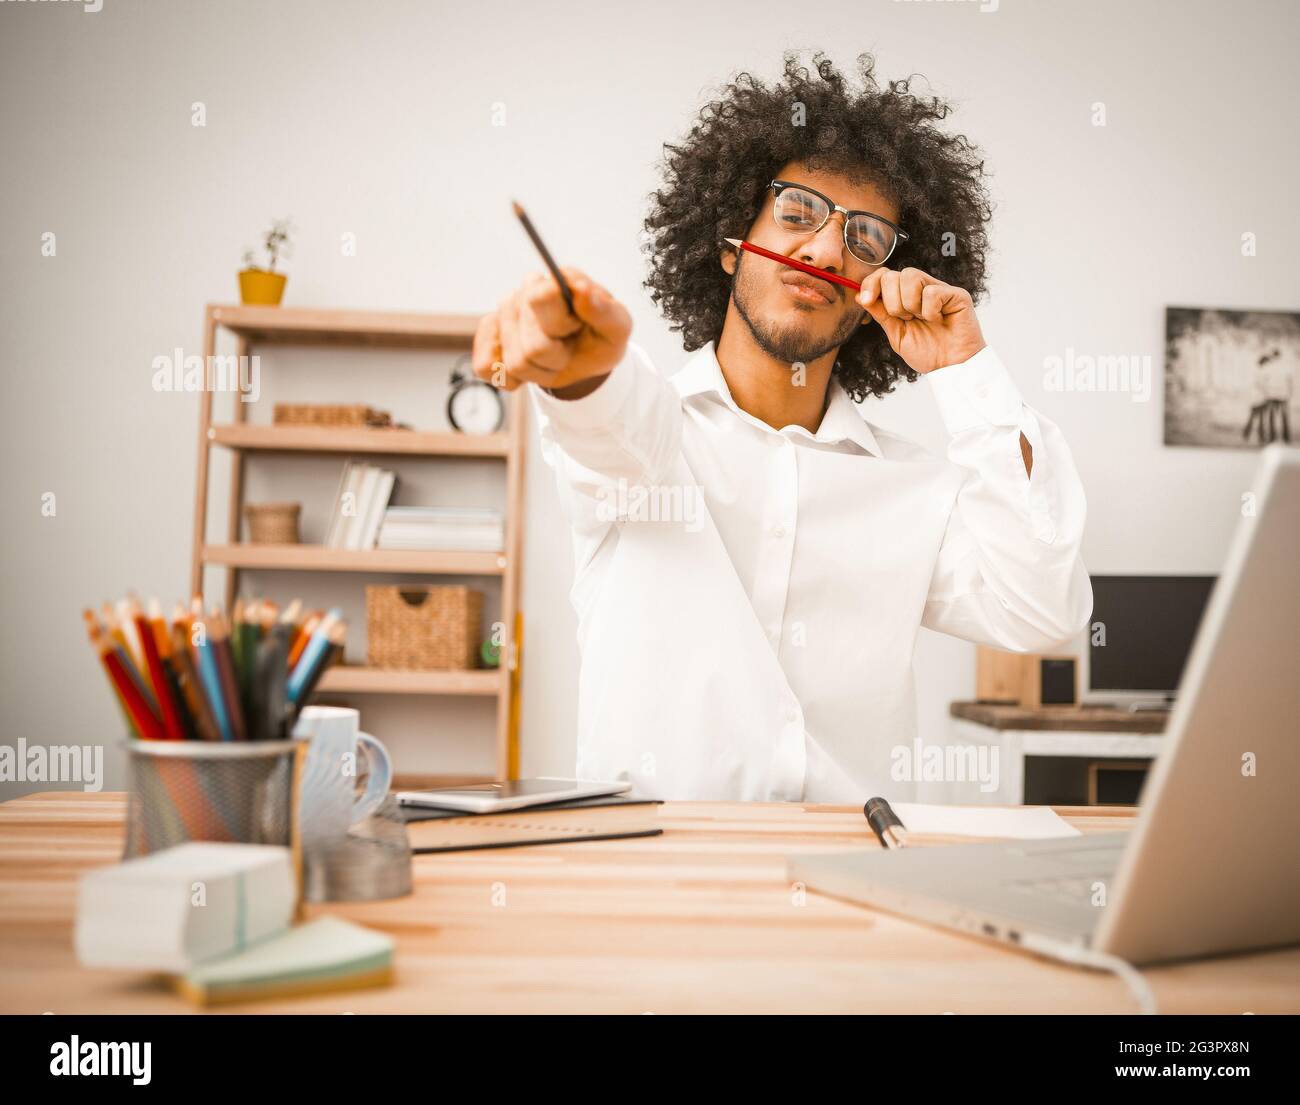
(780, 259)
(145, 721)
(171, 717)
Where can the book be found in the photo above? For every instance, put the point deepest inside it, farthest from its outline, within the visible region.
(376, 508)
(183, 906)
(346, 508)
(454, 514)
(359, 506)
(447, 831)
(327, 954)
(485, 542)
(357, 524)
(336, 515)
(458, 528)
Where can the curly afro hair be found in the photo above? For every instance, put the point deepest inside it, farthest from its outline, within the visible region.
(716, 184)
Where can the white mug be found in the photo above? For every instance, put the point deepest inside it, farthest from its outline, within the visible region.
(329, 803)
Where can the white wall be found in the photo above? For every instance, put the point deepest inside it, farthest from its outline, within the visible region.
(357, 118)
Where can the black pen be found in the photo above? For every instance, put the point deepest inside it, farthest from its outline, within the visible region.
(884, 822)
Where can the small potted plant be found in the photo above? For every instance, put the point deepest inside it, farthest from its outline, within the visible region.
(261, 285)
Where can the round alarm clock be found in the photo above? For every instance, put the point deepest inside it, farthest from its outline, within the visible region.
(474, 406)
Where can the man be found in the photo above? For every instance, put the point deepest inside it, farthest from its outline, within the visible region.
(753, 559)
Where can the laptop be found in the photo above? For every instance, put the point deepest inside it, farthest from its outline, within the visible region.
(1212, 864)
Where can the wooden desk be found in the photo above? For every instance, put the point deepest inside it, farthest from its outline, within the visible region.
(698, 920)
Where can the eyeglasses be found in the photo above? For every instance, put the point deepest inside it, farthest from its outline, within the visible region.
(798, 208)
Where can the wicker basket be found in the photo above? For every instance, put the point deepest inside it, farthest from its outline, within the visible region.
(273, 523)
(330, 414)
(423, 628)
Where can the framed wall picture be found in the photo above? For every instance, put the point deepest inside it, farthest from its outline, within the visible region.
(1231, 377)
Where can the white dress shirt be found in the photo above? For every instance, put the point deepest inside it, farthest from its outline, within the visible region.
(748, 599)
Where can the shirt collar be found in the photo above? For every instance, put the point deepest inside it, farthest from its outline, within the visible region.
(703, 375)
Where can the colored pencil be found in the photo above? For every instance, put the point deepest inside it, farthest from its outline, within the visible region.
(113, 625)
(304, 633)
(220, 641)
(191, 688)
(311, 656)
(210, 677)
(158, 627)
(122, 615)
(781, 259)
(237, 645)
(270, 711)
(292, 613)
(202, 677)
(170, 717)
(146, 723)
(97, 637)
(330, 655)
(244, 635)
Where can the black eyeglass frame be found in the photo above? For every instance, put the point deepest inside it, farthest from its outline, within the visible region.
(900, 235)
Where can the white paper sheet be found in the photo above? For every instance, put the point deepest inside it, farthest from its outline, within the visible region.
(1022, 823)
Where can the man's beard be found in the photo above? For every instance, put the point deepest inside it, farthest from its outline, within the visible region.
(791, 345)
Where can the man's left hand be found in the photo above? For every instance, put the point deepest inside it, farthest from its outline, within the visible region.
(929, 324)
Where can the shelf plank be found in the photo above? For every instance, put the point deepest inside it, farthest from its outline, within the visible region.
(318, 558)
(317, 326)
(330, 439)
(363, 680)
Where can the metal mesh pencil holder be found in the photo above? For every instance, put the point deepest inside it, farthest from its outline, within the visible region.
(243, 792)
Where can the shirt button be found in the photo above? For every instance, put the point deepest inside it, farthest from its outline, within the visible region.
(778, 532)
(792, 715)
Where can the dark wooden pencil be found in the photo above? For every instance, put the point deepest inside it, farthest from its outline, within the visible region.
(531, 231)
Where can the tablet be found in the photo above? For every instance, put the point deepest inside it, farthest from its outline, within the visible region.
(515, 794)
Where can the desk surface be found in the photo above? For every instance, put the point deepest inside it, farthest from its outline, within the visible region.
(700, 919)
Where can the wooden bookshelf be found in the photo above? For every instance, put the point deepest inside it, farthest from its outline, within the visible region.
(255, 326)
(318, 558)
(316, 326)
(355, 679)
(331, 439)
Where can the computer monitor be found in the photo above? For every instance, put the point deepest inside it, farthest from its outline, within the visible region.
(1141, 631)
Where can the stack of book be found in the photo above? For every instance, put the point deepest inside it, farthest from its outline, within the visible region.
(363, 495)
(435, 527)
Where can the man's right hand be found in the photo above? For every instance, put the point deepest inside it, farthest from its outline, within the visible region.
(532, 337)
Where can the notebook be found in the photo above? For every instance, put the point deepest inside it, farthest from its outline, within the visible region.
(603, 818)
(324, 955)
